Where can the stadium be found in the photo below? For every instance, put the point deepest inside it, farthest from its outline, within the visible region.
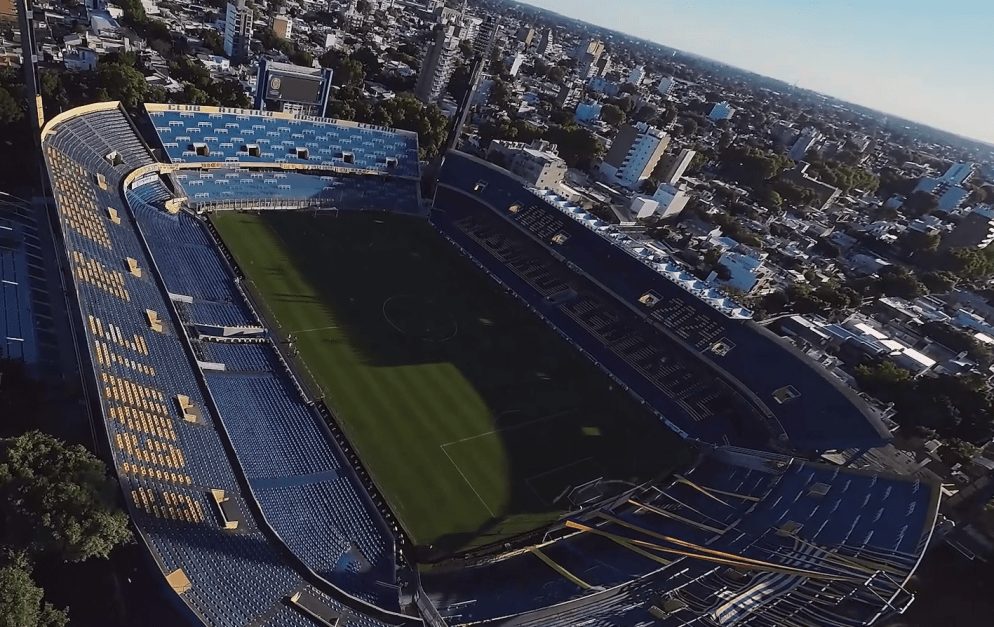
(329, 400)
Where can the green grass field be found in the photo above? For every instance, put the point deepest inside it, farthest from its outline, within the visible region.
(472, 416)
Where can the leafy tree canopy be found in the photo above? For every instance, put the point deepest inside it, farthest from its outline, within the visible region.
(21, 601)
(57, 498)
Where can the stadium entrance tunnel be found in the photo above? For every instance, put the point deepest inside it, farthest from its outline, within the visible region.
(477, 422)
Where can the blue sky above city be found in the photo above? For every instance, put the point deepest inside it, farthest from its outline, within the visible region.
(931, 62)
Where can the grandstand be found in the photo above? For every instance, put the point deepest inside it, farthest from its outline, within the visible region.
(257, 512)
(814, 411)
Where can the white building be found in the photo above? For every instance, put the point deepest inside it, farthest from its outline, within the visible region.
(805, 142)
(665, 85)
(671, 200)
(676, 165)
(238, 31)
(745, 267)
(634, 154)
(637, 75)
(516, 62)
(721, 111)
(588, 111)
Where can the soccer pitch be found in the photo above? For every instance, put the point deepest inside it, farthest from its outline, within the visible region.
(471, 415)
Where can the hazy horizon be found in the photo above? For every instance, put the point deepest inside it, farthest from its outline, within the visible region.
(903, 58)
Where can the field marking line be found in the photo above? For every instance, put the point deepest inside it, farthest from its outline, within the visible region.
(334, 326)
(468, 482)
(541, 497)
(511, 428)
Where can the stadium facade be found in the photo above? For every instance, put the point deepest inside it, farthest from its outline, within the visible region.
(256, 510)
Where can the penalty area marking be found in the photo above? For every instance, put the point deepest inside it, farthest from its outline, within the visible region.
(473, 437)
(468, 482)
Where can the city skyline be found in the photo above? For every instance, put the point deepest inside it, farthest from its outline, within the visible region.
(906, 59)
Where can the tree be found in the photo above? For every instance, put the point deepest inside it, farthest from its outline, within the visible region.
(577, 146)
(10, 110)
(939, 282)
(774, 199)
(689, 126)
(500, 95)
(57, 498)
(21, 601)
(556, 74)
(612, 114)
(122, 82)
(301, 57)
(213, 40)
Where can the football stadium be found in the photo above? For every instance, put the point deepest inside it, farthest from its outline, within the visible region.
(331, 400)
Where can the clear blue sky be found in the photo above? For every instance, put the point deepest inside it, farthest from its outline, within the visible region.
(929, 61)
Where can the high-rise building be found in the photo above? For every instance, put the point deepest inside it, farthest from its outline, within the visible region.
(637, 75)
(805, 142)
(665, 85)
(526, 34)
(587, 55)
(439, 62)
(537, 163)
(515, 64)
(570, 95)
(721, 111)
(975, 230)
(545, 44)
(238, 30)
(634, 154)
(282, 26)
(485, 35)
(673, 166)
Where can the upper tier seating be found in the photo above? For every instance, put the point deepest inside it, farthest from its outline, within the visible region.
(248, 137)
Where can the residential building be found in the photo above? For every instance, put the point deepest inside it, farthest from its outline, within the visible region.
(665, 85)
(637, 75)
(805, 142)
(784, 133)
(721, 111)
(238, 30)
(975, 230)
(545, 44)
(634, 154)
(537, 163)
(8, 11)
(438, 64)
(485, 35)
(673, 166)
(282, 26)
(525, 35)
(671, 198)
(515, 64)
(601, 85)
(570, 95)
(587, 56)
(588, 111)
(746, 268)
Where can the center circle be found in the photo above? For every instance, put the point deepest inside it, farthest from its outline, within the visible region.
(420, 318)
